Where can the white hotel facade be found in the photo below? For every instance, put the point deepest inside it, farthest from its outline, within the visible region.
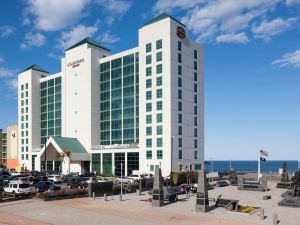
(137, 108)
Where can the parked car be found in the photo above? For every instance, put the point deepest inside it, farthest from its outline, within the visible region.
(80, 182)
(46, 186)
(20, 179)
(147, 175)
(134, 177)
(54, 178)
(16, 188)
(124, 180)
(222, 183)
(69, 177)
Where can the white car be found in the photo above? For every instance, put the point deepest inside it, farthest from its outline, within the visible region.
(124, 180)
(17, 189)
(24, 180)
(134, 177)
(54, 178)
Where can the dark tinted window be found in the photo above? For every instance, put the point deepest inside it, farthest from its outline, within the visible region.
(24, 186)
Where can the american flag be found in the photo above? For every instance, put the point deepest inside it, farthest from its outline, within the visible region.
(263, 153)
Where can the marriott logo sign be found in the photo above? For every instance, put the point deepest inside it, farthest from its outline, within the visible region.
(75, 63)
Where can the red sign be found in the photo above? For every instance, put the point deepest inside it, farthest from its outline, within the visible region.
(180, 32)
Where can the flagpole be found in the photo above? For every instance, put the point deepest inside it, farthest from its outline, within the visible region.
(258, 169)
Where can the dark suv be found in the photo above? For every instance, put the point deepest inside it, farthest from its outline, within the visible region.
(46, 186)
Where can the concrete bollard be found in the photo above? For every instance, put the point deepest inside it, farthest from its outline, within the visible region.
(120, 197)
(138, 192)
(275, 218)
(94, 195)
(105, 197)
(262, 214)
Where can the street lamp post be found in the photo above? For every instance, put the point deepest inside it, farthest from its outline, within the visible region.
(172, 141)
(121, 180)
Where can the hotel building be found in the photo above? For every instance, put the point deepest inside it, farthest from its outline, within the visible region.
(114, 113)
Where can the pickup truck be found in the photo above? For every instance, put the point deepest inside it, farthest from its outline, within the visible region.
(170, 193)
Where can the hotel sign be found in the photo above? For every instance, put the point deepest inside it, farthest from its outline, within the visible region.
(75, 63)
(180, 32)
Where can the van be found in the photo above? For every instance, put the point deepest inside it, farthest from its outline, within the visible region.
(17, 189)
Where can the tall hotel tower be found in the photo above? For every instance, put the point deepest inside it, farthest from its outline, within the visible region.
(125, 112)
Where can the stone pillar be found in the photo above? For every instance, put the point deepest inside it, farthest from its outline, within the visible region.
(202, 204)
(158, 192)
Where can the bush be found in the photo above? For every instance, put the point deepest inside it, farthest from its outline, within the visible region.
(61, 193)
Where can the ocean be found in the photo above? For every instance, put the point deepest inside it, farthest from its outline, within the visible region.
(241, 166)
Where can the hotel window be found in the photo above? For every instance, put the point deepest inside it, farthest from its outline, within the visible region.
(179, 57)
(195, 155)
(22, 87)
(179, 94)
(148, 130)
(26, 148)
(22, 156)
(180, 130)
(22, 134)
(158, 81)
(195, 143)
(179, 154)
(158, 68)
(149, 119)
(26, 156)
(195, 65)
(179, 82)
(22, 95)
(151, 167)
(148, 95)
(195, 110)
(26, 94)
(26, 141)
(148, 83)
(149, 143)
(195, 76)
(149, 154)
(22, 125)
(158, 56)
(22, 102)
(179, 106)
(195, 54)
(148, 107)
(159, 105)
(195, 121)
(148, 47)
(159, 142)
(195, 132)
(22, 149)
(26, 86)
(180, 142)
(159, 44)
(26, 101)
(195, 88)
(179, 70)
(159, 130)
(179, 118)
(179, 45)
(159, 93)
(195, 99)
(159, 118)
(148, 71)
(159, 154)
(148, 59)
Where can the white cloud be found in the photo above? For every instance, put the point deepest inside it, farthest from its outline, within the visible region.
(1, 60)
(51, 15)
(6, 31)
(9, 78)
(12, 84)
(33, 40)
(240, 38)
(114, 8)
(289, 59)
(7, 73)
(108, 38)
(267, 29)
(168, 5)
(68, 38)
(292, 2)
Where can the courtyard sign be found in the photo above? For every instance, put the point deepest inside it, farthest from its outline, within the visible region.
(75, 63)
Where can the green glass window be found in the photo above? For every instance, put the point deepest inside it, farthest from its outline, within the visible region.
(179, 82)
(148, 59)
(195, 110)
(158, 81)
(96, 163)
(180, 130)
(195, 88)
(195, 54)
(159, 142)
(132, 162)
(148, 47)
(26, 156)
(179, 118)
(195, 76)
(159, 130)
(195, 99)
(22, 156)
(148, 95)
(179, 154)
(26, 86)
(151, 167)
(148, 130)
(107, 163)
(158, 56)
(149, 71)
(26, 93)
(159, 93)
(159, 44)
(195, 132)
(22, 103)
(195, 143)
(179, 57)
(148, 107)
(159, 105)
(149, 119)
(159, 118)
(179, 142)
(179, 46)
(22, 87)
(179, 69)
(159, 154)
(195, 65)
(195, 121)
(195, 155)
(148, 83)
(158, 68)
(197, 167)
(149, 143)
(179, 106)
(179, 94)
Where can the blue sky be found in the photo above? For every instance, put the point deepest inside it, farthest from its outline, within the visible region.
(252, 60)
